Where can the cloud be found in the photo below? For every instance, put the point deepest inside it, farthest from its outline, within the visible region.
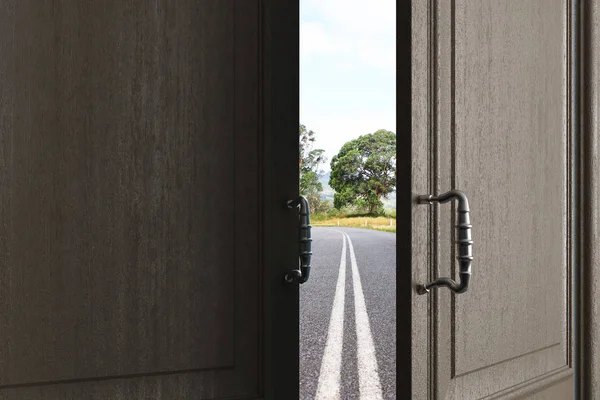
(351, 33)
(347, 69)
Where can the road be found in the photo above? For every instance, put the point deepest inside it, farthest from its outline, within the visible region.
(332, 350)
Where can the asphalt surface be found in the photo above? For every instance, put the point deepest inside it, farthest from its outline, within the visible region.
(331, 374)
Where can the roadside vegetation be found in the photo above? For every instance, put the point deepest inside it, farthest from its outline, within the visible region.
(386, 222)
(359, 191)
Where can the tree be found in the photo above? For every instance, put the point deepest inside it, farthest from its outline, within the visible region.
(364, 171)
(310, 160)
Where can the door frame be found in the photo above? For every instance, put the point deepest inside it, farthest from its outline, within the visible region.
(588, 349)
(413, 379)
(278, 107)
(407, 382)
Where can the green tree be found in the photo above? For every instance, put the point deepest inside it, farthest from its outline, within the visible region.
(310, 160)
(364, 171)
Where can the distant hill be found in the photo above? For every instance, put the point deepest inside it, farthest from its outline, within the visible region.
(328, 192)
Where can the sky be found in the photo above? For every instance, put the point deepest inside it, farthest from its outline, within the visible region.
(347, 69)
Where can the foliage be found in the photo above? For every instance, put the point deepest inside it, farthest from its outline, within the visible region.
(333, 213)
(365, 222)
(310, 160)
(364, 171)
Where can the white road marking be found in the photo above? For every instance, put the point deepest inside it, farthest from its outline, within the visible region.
(368, 375)
(331, 365)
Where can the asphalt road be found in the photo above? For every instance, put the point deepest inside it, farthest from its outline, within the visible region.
(332, 349)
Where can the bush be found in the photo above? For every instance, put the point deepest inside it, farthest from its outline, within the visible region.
(334, 212)
(317, 205)
(319, 217)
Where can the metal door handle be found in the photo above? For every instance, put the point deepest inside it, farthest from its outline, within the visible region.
(305, 241)
(465, 243)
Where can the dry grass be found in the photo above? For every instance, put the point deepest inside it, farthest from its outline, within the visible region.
(377, 223)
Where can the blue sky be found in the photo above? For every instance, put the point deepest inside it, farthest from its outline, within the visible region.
(347, 69)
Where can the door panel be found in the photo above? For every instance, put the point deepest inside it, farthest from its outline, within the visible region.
(511, 157)
(114, 196)
(500, 130)
(562, 390)
(131, 238)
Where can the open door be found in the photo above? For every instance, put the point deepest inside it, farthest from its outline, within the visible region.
(492, 116)
(144, 169)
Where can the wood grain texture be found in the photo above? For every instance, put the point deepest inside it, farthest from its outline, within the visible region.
(560, 391)
(411, 376)
(512, 158)
(589, 335)
(129, 226)
(511, 143)
(280, 98)
(418, 173)
(499, 109)
(443, 178)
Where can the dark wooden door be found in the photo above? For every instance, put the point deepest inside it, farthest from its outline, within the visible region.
(142, 243)
(493, 111)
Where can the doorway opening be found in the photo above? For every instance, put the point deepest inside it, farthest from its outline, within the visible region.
(347, 143)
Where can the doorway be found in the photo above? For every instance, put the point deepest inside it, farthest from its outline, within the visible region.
(348, 173)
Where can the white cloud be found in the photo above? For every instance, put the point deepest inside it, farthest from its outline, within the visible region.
(356, 31)
(348, 69)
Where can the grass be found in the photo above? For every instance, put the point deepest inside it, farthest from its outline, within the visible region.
(365, 222)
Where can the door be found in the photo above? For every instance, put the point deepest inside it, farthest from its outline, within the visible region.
(492, 116)
(143, 240)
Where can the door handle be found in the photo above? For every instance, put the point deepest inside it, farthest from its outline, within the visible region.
(304, 239)
(465, 243)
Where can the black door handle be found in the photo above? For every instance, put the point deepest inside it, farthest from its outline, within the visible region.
(465, 243)
(305, 241)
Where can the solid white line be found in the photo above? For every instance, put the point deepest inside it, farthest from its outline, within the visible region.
(368, 375)
(331, 365)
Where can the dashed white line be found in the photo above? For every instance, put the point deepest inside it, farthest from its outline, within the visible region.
(368, 375)
(331, 365)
